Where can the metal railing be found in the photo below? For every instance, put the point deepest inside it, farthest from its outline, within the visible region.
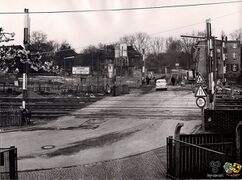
(10, 117)
(8, 163)
(202, 158)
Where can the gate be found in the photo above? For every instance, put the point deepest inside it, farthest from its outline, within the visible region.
(8, 163)
(199, 155)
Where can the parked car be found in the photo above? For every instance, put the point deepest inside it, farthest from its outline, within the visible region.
(161, 84)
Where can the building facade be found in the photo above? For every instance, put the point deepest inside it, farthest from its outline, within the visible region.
(226, 59)
(233, 59)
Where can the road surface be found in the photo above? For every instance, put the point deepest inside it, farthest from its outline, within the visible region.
(112, 128)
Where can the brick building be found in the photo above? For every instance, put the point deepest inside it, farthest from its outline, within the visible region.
(227, 59)
(233, 60)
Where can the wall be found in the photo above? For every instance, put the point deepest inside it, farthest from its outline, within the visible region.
(233, 61)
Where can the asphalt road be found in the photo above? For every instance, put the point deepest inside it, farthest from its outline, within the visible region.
(112, 128)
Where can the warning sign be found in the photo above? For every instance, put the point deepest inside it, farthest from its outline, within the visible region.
(200, 92)
(200, 79)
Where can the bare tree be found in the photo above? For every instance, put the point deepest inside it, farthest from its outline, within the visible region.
(156, 45)
(236, 35)
(40, 43)
(139, 41)
(173, 45)
(188, 43)
(38, 37)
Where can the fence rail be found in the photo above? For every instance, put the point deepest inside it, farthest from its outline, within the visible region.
(10, 117)
(8, 163)
(192, 156)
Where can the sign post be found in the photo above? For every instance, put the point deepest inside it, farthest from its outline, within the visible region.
(200, 94)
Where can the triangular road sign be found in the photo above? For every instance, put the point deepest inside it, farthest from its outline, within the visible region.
(200, 79)
(200, 92)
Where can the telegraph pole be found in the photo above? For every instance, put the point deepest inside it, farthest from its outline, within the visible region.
(26, 45)
(223, 51)
(143, 68)
(114, 79)
(211, 62)
(211, 65)
(209, 55)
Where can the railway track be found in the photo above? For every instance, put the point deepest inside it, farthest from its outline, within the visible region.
(48, 108)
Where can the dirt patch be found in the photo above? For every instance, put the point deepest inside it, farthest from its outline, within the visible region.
(26, 157)
(100, 141)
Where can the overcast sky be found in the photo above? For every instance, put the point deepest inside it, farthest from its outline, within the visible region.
(83, 29)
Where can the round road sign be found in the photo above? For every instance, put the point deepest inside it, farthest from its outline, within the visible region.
(201, 102)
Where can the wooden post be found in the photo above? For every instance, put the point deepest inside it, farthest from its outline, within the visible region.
(203, 119)
(177, 149)
(238, 141)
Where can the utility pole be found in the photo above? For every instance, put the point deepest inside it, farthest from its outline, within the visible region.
(223, 51)
(143, 67)
(114, 79)
(209, 60)
(212, 64)
(26, 42)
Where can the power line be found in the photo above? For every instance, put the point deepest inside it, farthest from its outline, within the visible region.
(124, 9)
(201, 22)
(165, 31)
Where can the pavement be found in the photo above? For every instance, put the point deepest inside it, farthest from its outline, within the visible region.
(120, 137)
(144, 166)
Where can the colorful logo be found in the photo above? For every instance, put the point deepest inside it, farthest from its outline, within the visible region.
(232, 169)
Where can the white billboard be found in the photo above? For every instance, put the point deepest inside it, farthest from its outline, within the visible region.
(83, 70)
(117, 51)
(110, 70)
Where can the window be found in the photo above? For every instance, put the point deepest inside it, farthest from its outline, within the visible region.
(2, 159)
(234, 55)
(218, 51)
(235, 45)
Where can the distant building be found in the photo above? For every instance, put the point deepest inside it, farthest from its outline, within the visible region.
(233, 60)
(126, 60)
(227, 59)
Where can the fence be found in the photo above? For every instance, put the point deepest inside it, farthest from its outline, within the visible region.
(199, 155)
(223, 102)
(92, 84)
(8, 163)
(221, 120)
(10, 117)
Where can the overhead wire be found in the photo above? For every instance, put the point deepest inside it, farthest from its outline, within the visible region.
(123, 9)
(136, 8)
(165, 31)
